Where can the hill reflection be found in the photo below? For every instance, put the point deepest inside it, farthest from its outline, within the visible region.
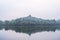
(31, 29)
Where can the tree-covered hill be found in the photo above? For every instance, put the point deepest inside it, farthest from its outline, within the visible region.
(29, 20)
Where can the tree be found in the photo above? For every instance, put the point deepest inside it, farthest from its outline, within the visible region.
(6, 22)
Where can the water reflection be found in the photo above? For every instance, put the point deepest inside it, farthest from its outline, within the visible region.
(31, 29)
(29, 33)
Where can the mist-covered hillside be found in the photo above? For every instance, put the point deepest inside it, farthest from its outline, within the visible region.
(29, 20)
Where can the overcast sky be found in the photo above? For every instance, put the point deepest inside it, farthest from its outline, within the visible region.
(46, 9)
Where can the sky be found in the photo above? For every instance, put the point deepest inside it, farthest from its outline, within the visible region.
(46, 9)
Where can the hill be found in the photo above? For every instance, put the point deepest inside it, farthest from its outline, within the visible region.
(29, 20)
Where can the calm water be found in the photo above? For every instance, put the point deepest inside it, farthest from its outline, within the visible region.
(51, 34)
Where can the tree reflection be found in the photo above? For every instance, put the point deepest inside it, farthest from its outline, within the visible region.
(31, 29)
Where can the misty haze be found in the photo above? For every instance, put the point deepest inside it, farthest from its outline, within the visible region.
(29, 20)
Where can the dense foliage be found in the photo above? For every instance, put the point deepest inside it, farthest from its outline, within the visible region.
(29, 20)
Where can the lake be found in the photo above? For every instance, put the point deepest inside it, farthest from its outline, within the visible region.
(30, 33)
